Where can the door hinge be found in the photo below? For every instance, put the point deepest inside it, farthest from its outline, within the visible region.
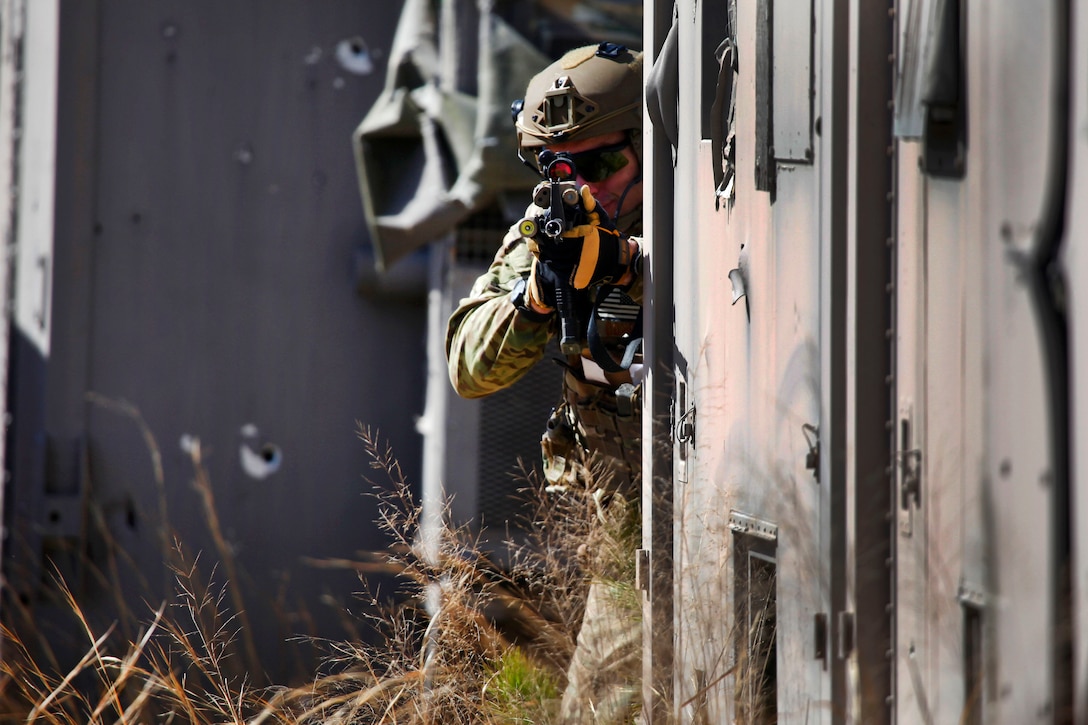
(910, 487)
(642, 570)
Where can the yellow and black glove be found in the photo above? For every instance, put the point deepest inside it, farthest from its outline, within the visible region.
(585, 255)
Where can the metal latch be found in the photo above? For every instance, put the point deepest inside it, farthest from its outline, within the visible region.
(910, 489)
(642, 570)
(820, 635)
(812, 458)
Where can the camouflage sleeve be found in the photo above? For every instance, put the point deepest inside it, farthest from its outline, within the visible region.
(489, 343)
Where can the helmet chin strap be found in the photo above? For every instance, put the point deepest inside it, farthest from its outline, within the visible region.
(615, 218)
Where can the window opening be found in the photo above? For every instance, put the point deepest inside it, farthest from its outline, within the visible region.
(720, 94)
(755, 586)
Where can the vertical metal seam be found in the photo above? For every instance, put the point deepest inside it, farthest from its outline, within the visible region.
(892, 250)
(14, 42)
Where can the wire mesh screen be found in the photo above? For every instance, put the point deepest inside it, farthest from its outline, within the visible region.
(511, 423)
(511, 420)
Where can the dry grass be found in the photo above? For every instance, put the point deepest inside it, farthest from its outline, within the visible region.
(467, 639)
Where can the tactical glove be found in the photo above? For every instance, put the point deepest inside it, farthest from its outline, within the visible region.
(542, 282)
(605, 255)
(588, 254)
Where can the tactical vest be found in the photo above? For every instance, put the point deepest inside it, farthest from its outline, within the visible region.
(594, 437)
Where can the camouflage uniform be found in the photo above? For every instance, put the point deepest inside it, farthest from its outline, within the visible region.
(490, 344)
(593, 437)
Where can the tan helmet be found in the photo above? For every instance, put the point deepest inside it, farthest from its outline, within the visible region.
(590, 91)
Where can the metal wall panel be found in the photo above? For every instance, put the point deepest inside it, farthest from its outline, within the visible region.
(208, 221)
(748, 376)
(1077, 268)
(1009, 85)
(792, 36)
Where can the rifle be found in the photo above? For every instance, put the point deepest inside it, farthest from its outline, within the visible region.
(558, 196)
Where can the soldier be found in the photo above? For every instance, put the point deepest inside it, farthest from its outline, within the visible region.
(587, 104)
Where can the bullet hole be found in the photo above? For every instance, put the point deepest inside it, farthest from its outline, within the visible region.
(244, 155)
(354, 56)
(258, 461)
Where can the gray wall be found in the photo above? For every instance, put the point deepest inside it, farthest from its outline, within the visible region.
(207, 219)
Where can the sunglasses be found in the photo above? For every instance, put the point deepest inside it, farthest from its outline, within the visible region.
(596, 165)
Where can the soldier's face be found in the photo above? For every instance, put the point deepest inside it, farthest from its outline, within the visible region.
(608, 190)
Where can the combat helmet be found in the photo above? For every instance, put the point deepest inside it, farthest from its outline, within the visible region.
(590, 91)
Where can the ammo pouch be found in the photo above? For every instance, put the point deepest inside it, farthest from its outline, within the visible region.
(594, 437)
(562, 454)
